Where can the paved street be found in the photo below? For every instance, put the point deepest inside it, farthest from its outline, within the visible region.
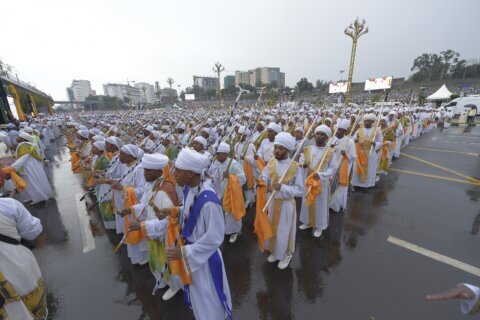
(430, 199)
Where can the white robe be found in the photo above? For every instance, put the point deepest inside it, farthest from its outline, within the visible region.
(38, 187)
(156, 229)
(372, 161)
(17, 263)
(136, 252)
(321, 200)
(219, 183)
(288, 215)
(206, 238)
(340, 196)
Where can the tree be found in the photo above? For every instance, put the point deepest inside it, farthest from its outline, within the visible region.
(5, 69)
(432, 66)
(210, 93)
(304, 85)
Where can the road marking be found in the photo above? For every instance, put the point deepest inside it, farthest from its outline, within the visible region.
(460, 142)
(435, 256)
(85, 229)
(441, 167)
(435, 176)
(444, 150)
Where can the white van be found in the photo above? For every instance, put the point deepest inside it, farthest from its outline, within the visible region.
(458, 105)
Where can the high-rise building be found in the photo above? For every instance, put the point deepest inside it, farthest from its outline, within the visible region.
(147, 92)
(260, 76)
(228, 81)
(79, 90)
(123, 91)
(206, 83)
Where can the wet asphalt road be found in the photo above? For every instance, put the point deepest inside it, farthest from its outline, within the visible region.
(351, 272)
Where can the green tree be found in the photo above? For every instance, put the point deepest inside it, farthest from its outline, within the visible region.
(5, 69)
(303, 85)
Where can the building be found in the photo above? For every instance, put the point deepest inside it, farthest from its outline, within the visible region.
(123, 91)
(261, 76)
(147, 92)
(228, 81)
(79, 90)
(206, 83)
(165, 95)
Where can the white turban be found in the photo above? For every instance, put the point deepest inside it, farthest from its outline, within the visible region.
(286, 140)
(116, 141)
(181, 126)
(325, 129)
(329, 119)
(3, 136)
(100, 145)
(98, 138)
(156, 134)
(190, 160)
(155, 161)
(149, 128)
(201, 140)
(26, 136)
(344, 124)
(83, 133)
(133, 150)
(275, 127)
(299, 129)
(369, 117)
(28, 130)
(223, 148)
(242, 129)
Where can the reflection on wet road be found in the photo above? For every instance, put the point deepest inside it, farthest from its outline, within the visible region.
(351, 272)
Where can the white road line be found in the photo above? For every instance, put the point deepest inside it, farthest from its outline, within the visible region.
(85, 229)
(436, 256)
(461, 142)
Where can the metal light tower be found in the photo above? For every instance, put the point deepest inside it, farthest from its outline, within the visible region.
(355, 30)
(170, 82)
(218, 68)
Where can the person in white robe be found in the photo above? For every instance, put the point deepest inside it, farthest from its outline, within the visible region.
(130, 155)
(282, 213)
(159, 194)
(322, 160)
(204, 230)
(244, 150)
(30, 167)
(370, 141)
(22, 288)
(265, 151)
(219, 171)
(344, 151)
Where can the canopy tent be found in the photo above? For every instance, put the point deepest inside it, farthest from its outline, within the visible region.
(441, 94)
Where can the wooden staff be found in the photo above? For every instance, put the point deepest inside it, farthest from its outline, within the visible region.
(375, 132)
(293, 158)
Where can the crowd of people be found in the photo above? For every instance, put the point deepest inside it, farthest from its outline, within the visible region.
(174, 183)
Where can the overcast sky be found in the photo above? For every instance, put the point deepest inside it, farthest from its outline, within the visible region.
(49, 43)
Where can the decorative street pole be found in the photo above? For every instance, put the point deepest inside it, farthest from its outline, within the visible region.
(218, 68)
(355, 30)
(170, 82)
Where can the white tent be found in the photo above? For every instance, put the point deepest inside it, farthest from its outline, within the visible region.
(441, 94)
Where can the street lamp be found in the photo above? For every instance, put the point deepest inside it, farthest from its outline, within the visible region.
(218, 68)
(170, 82)
(355, 30)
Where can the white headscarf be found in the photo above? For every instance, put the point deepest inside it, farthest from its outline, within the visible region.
(83, 133)
(275, 127)
(116, 141)
(26, 136)
(223, 148)
(133, 150)
(201, 140)
(286, 140)
(190, 160)
(100, 145)
(154, 161)
(344, 124)
(325, 129)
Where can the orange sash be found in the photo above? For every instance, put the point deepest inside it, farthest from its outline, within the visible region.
(168, 174)
(75, 162)
(261, 226)
(247, 168)
(173, 231)
(233, 198)
(315, 187)
(260, 163)
(344, 179)
(133, 237)
(20, 184)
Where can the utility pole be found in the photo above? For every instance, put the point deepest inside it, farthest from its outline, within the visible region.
(157, 91)
(218, 68)
(170, 82)
(355, 30)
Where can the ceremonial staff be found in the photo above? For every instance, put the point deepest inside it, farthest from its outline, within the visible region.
(294, 156)
(254, 106)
